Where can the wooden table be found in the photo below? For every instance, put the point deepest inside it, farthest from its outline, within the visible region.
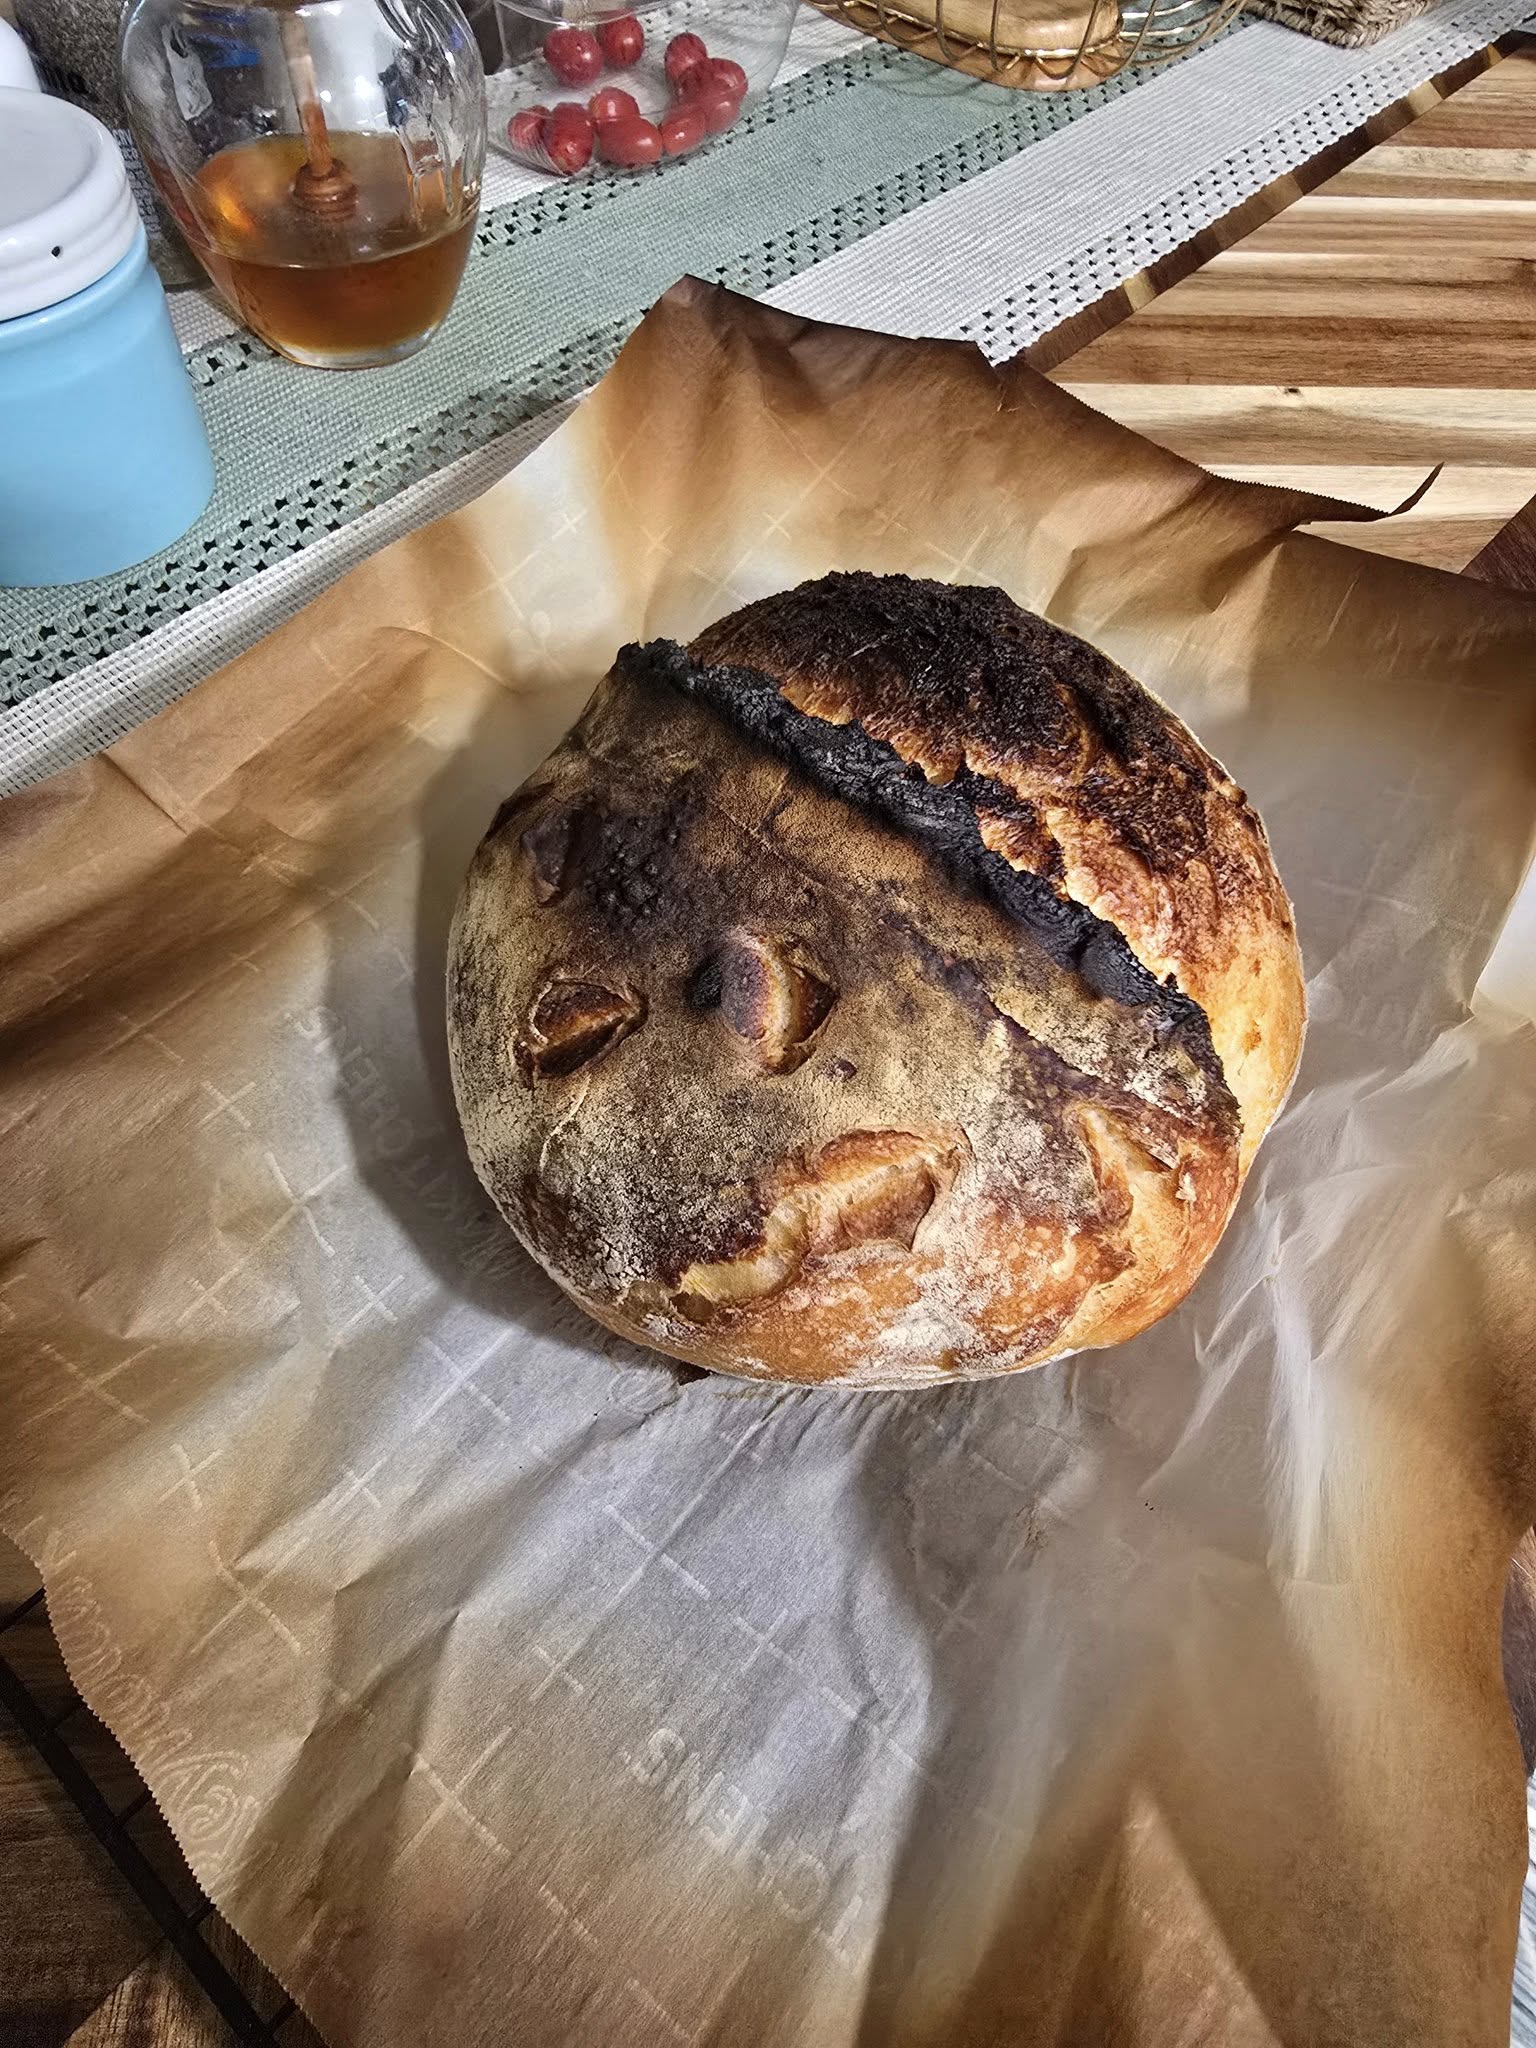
(1377, 324)
(1383, 323)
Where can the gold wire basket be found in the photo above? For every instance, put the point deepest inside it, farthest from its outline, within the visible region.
(1041, 45)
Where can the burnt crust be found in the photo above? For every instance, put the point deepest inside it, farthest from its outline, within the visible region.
(847, 762)
(641, 802)
(969, 680)
(813, 1014)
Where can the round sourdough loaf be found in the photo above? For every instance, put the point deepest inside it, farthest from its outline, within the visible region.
(885, 988)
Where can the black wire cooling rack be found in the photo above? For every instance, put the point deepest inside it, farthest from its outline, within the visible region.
(48, 1728)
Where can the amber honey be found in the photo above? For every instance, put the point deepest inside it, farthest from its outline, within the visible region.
(363, 282)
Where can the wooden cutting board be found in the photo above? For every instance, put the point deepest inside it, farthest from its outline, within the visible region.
(1382, 324)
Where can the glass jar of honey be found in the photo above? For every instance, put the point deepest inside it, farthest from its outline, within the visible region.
(322, 158)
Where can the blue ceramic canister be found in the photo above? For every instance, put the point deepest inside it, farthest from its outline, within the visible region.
(103, 458)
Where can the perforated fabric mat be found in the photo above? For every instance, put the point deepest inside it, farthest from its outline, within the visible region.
(1105, 199)
(869, 186)
(554, 282)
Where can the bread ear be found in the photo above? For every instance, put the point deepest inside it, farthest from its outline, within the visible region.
(571, 1022)
(769, 993)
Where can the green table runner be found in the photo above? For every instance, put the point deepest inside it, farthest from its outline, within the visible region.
(554, 283)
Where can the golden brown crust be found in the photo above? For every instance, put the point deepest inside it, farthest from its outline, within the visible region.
(780, 1082)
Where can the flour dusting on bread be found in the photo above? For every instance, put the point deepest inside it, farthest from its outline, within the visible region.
(886, 988)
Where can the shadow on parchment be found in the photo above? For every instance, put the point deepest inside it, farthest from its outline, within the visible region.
(444, 1212)
(1187, 1847)
(1125, 1762)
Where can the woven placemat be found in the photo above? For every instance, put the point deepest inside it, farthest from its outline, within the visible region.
(1352, 24)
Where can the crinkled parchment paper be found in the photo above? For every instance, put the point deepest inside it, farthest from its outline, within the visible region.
(505, 1685)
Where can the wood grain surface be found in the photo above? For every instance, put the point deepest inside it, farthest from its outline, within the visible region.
(1383, 322)
(82, 1960)
(70, 1926)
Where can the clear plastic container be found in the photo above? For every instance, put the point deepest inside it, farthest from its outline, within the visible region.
(596, 85)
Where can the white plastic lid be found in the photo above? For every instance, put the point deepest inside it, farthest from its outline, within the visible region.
(16, 66)
(66, 211)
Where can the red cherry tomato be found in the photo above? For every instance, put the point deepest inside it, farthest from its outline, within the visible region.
(612, 105)
(573, 54)
(622, 41)
(568, 138)
(727, 75)
(682, 128)
(631, 143)
(683, 53)
(718, 108)
(568, 117)
(525, 133)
